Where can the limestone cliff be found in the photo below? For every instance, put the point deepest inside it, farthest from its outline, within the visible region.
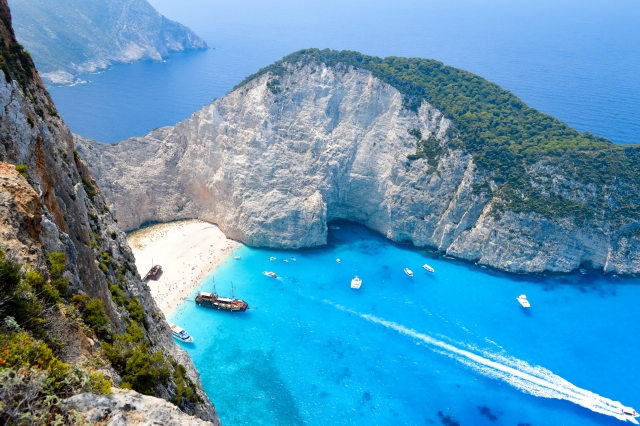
(54, 206)
(71, 37)
(306, 143)
(124, 407)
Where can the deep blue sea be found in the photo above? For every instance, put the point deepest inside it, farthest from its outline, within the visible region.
(452, 348)
(578, 60)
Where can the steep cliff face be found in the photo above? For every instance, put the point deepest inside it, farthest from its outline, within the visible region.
(71, 37)
(54, 206)
(276, 159)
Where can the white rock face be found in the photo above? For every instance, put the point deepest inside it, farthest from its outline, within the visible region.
(271, 169)
(125, 407)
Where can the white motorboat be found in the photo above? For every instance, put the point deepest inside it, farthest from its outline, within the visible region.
(269, 274)
(428, 268)
(522, 299)
(294, 259)
(356, 282)
(272, 258)
(285, 260)
(236, 257)
(338, 260)
(180, 333)
(408, 272)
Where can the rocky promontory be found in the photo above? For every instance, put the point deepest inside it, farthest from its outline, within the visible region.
(322, 136)
(71, 37)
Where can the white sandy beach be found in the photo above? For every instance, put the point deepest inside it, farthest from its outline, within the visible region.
(187, 251)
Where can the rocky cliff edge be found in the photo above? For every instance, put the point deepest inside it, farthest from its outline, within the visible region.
(52, 211)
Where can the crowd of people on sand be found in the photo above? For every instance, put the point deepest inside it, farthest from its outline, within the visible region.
(169, 295)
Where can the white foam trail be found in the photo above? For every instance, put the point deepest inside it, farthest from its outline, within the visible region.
(536, 381)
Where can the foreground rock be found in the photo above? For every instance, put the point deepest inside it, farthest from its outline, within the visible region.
(125, 407)
(276, 159)
(71, 37)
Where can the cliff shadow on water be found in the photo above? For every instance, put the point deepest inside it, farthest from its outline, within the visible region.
(371, 243)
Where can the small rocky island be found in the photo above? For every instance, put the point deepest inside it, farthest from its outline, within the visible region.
(421, 152)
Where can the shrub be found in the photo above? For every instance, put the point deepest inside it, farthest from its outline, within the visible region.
(130, 303)
(34, 381)
(44, 290)
(93, 314)
(22, 351)
(56, 269)
(20, 294)
(140, 370)
(22, 169)
(185, 388)
(89, 188)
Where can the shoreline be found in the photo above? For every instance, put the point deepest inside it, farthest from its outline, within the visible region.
(187, 250)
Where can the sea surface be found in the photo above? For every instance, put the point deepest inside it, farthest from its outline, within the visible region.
(453, 347)
(576, 60)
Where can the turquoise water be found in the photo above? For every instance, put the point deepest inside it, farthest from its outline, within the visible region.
(452, 348)
(576, 60)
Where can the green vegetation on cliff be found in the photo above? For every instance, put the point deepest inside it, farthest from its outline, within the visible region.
(33, 380)
(585, 177)
(36, 320)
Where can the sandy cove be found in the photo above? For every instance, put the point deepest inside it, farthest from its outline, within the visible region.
(187, 251)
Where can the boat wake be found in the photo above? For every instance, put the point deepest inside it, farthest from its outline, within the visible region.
(534, 380)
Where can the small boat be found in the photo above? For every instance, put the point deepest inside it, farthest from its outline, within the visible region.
(334, 227)
(338, 260)
(269, 274)
(356, 282)
(294, 259)
(180, 333)
(408, 272)
(236, 257)
(272, 258)
(428, 268)
(522, 299)
(583, 271)
(154, 273)
(211, 300)
(285, 260)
